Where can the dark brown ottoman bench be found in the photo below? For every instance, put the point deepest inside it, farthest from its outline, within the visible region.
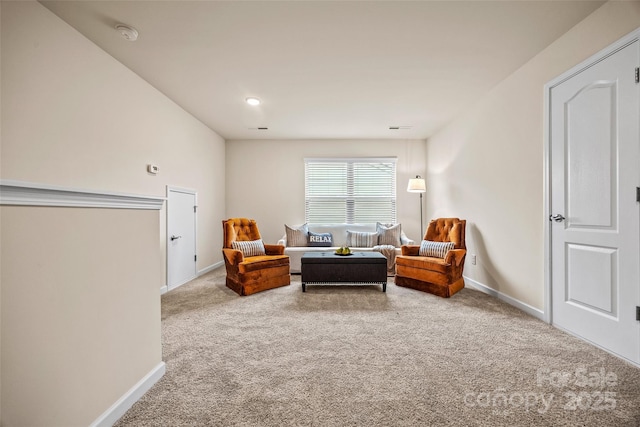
(359, 267)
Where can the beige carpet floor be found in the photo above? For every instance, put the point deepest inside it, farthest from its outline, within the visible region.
(355, 356)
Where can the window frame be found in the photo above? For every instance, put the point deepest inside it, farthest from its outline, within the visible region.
(348, 185)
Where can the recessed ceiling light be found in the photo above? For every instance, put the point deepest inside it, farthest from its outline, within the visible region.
(127, 32)
(253, 101)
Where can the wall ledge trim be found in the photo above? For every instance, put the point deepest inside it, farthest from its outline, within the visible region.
(537, 313)
(122, 405)
(19, 193)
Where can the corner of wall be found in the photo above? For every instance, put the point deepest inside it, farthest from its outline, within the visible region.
(487, 165)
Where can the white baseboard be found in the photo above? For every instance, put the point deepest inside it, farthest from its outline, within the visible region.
(170, 288)
(122, 405)
(164, 289)
(210, 268)
(537, 313)
(632, 362)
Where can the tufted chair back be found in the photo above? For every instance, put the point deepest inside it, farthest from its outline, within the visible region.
(447, 230)
(239, 229)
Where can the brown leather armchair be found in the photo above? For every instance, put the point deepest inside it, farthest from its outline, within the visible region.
(251, 274)
(439, 276)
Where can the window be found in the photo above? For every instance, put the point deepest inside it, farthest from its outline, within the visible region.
(352, 191)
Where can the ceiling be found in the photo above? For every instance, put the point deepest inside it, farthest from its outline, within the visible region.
(324, 69)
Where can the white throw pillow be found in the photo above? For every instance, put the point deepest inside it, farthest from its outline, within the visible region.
(249, 247)
(435, 249)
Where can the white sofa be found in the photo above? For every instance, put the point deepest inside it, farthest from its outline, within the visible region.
(339, 233)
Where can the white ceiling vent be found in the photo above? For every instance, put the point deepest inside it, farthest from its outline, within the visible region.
(400, 127)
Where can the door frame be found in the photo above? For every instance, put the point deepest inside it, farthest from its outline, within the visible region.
(547, 191)
(195, 233)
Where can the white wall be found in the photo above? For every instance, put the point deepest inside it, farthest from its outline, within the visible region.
(79, 118)
(265, 179)
(80, 320)
(80, 313)
(487, 165)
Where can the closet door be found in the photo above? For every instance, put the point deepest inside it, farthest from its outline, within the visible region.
(595, 215)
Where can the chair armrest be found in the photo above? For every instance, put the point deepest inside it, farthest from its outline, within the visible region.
(410, 250)
(274, 249)
(455, 256)
(233, 256)
(283, 241)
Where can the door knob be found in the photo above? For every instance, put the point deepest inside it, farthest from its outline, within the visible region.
(556, 218)
(175, 237)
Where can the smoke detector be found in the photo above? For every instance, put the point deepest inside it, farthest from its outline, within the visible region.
(127, 32)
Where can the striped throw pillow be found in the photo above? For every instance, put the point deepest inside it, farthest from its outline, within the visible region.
(361, 239)
(389, 234)
(249, 247)
(435, 249)
(296, 236)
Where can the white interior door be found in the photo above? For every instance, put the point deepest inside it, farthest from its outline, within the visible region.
(181, 236)
(595, 223)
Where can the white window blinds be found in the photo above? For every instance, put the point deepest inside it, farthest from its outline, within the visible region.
(355, 190)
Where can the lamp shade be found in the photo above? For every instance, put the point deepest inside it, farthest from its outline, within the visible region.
(417, 185)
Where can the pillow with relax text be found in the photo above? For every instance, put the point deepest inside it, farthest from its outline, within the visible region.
(435, 249)
(320, 239)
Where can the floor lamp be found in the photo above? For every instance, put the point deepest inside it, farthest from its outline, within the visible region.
(417, 185)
